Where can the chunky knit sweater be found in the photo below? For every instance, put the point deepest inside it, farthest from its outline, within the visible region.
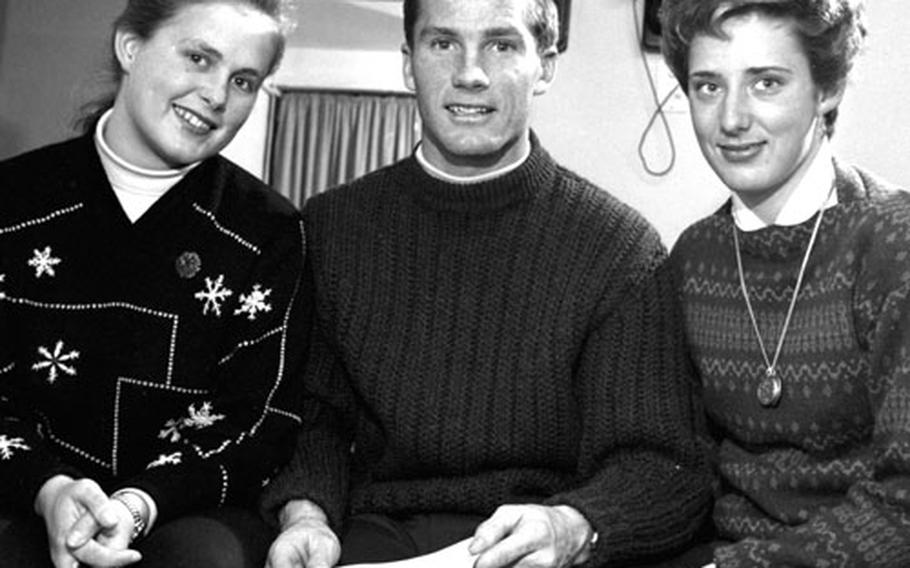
(822, 479)
(162, 355)
(499, 342)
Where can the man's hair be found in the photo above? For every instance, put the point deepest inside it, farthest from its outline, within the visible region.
(831, 33)
(542, 20)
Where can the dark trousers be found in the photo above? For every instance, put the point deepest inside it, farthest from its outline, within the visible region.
(222, 538)
(379, 538)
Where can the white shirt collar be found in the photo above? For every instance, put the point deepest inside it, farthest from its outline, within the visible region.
(136, 188)
(439, 174)
(803, 203)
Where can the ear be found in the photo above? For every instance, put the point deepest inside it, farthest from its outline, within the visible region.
(407, 70)
(126, 47)
(547, 71)
(831, 99)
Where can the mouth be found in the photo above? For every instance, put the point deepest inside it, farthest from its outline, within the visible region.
(740, 151)
(467, 111)
(194, 122)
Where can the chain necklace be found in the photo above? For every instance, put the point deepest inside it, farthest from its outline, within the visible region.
(770, 387)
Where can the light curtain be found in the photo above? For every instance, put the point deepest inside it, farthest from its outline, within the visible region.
(322, 139)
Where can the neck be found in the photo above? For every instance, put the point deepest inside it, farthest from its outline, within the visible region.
(472, 168)
(796, 199)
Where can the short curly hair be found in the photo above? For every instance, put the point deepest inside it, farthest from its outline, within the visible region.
(542, 20)
(831, 32)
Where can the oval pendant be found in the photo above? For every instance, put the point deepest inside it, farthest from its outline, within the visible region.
(769, 390)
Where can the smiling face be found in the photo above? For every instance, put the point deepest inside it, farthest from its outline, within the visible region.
(188, 88)
(475, 68)
(756, 111)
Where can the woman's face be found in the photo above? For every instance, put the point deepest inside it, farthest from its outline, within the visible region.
(188, 88)
(757, 113)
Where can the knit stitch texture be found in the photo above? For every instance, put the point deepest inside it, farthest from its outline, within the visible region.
(499, 342)
(823, 479)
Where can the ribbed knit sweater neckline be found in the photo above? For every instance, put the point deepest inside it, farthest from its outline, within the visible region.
(536, 174)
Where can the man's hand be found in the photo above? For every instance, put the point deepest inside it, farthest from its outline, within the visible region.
(64, 503)
(527, 536)
(306, 541)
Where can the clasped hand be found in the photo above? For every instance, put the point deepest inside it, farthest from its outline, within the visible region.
(84, 525)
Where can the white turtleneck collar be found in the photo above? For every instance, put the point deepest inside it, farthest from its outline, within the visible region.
(439, 174)
(136, 188)
(805, 200)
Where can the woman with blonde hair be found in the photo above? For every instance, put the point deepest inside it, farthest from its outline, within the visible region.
(149, 293)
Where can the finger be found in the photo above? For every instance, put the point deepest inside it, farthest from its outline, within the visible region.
(284, 555)
(95, 554)
(494, 529)
(324, 556)
(83, 530)
(95, 500)
(506, 552)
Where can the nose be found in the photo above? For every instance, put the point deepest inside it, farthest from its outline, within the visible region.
(214, 93)
(470, 73)
(736, 112)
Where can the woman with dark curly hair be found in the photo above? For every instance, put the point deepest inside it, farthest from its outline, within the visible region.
(795, 291)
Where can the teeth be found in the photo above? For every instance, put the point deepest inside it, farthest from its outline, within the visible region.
(469, 110)
(192, 119)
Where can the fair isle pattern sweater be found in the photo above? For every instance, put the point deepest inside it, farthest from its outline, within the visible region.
(162, 355)
(823, 479)
(492, 343)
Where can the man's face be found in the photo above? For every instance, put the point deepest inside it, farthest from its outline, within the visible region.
(475, 68)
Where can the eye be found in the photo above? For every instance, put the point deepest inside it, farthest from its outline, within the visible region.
(442, 44)
(245, 84)
(704, 89)
(503, 46)
(768, 84)
(198, 59)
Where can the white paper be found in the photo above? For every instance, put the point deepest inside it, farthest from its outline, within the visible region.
(454, 556)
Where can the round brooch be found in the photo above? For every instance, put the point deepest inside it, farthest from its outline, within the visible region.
(188, 264)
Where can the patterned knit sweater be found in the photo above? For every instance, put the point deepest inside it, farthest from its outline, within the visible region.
(153, 355)
(500, 342)
(823, 479)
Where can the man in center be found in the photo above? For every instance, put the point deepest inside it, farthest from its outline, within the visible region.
(495, 357)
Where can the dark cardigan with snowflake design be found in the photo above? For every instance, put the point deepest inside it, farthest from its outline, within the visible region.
(162, 355)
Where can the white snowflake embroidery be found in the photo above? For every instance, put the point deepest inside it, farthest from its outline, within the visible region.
(254, 303)
(44, 263)
(172, 459)
(171, 430)
(7, 445)
(202, 418)
(198, 419)
(214, 295)
(56, 362)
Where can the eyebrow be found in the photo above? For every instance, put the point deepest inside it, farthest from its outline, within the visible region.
(752, 71)
(504, 31)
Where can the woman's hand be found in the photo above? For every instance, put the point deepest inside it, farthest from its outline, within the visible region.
(84, 525)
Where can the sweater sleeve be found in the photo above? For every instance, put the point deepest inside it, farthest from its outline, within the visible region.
(319, 468)
(870, 526)
(26, 461)
(225, 449)
(648, 483)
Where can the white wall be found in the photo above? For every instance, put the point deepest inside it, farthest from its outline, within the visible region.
(591, 119)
